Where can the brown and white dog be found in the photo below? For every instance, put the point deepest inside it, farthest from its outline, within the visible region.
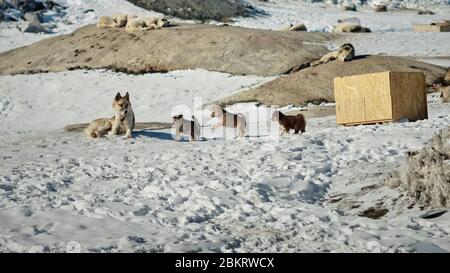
(186, 127)
(122, 123)
(345, 53)
(228, 119)
(287, 123)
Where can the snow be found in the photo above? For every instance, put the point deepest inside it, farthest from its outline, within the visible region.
(89, 94)
(61, 192)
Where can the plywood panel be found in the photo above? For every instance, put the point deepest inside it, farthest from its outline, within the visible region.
(378, 108)
(350, 110)
(409, 96)
(362, 85)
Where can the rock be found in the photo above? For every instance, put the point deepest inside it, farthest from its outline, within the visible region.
(435, 213)
(425, 12)
(351, 7)
(234, 50)
(30, 27)
(34, 17)
(28, 5)
(425, 175)
(312, 84)
(5, 5)
(373, 213)
(219, 10)
(380, 8)
(75, 128)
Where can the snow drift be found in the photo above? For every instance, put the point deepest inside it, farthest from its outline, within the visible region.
(426, 173)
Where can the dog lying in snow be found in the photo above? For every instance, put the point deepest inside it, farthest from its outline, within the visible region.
(148, 23)
(156, 22)
(345, 53)
(118, 20)
(287, 123)
(186, 127)
(227, 119)
(132, 23)
(297, 27)
(349, 27)
(122, 123)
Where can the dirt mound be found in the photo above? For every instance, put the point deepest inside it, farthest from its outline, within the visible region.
(219, 10)
(139, 126)
(233, 50)
(315, 84)
(426, 173)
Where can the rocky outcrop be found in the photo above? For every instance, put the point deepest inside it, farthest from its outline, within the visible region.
(315, 84)
(234, 50)
(219, 10)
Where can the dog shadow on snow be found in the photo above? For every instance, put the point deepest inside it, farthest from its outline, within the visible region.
(161, 135)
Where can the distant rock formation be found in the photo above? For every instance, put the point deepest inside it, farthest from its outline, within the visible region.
(203, 10)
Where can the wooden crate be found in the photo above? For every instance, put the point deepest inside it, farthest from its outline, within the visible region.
(432, 28)
(380, 97)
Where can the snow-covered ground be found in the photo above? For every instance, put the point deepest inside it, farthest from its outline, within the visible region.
(33, 102)
(62, 192)
(78, 13)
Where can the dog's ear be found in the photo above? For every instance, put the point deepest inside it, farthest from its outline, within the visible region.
(127, 96)
(118, 96)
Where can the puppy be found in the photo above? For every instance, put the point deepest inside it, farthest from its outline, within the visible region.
(345, 53)
(297, 123)
(122, 123)
(227, 119)
(186, 127)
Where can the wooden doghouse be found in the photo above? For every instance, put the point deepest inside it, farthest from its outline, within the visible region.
(380, 97)
(433, 27)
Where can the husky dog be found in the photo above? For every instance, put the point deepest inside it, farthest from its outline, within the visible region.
(228, 119)
(349, 27)
(445, 95)
(106, 22)
(186, 127)
(345, 53)
(122, 123)
(447, 77)
(135, 24)
(297, 123)
(156, 22)
(121, 19)
(298, 27)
